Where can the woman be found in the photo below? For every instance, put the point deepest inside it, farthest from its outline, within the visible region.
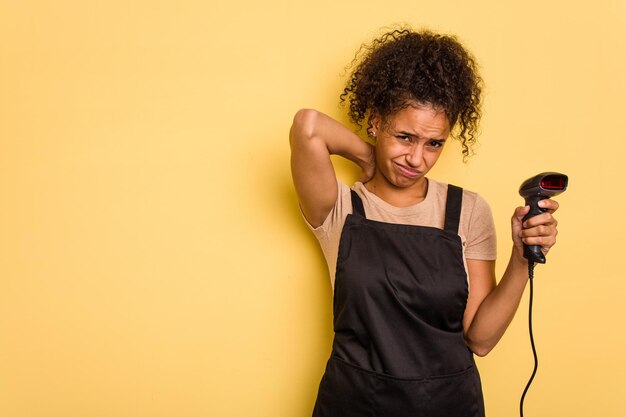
(412, 260)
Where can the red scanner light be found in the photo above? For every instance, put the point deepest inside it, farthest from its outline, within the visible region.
(553, 182)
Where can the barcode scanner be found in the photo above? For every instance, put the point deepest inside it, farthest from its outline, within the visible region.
(535, 189)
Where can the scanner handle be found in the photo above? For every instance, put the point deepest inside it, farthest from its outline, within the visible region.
(533, 252)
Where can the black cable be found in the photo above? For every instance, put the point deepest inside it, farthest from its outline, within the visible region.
(531, 267)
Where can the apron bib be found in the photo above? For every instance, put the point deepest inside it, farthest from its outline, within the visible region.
(400, 294)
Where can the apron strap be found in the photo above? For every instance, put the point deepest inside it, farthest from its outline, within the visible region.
(357, 204)
(453, 209)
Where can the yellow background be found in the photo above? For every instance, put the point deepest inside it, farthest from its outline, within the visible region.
(153, 261)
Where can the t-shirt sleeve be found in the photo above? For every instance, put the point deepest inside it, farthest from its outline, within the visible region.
(328, 233)
(335, 216)
(481, 241)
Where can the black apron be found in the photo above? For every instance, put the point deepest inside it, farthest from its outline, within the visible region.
(400, 295)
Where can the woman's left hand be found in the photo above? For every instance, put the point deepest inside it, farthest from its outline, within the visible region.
(538, 230)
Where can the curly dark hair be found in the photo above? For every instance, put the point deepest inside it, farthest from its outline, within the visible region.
(403, 68)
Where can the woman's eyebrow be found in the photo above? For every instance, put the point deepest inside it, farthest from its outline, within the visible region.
(405, 133)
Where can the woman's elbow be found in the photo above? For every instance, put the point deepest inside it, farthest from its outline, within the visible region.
(303, 126)
(481, 352)
(479, 349)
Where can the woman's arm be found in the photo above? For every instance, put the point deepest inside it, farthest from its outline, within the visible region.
(490, 307)
(313, 138)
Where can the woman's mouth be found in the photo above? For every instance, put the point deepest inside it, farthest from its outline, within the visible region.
(407, 171)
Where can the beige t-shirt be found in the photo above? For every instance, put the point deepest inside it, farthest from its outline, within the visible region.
(476, 227)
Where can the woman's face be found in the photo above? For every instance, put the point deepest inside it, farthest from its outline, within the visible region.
(408, 144)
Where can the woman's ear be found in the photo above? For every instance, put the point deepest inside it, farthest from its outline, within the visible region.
(373, 125)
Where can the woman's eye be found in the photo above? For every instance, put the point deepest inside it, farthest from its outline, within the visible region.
(435, 144)
(403, 138)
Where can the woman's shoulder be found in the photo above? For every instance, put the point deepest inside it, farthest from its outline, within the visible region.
(438, 193)
(476, 227)
(475, 210)
(470, 197)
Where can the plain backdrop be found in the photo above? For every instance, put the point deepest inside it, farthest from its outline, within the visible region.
(153, 260)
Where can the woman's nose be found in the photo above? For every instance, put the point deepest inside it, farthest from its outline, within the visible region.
(414, 157)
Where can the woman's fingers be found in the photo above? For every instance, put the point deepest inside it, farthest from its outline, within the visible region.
(538, 230)
(550, 205)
